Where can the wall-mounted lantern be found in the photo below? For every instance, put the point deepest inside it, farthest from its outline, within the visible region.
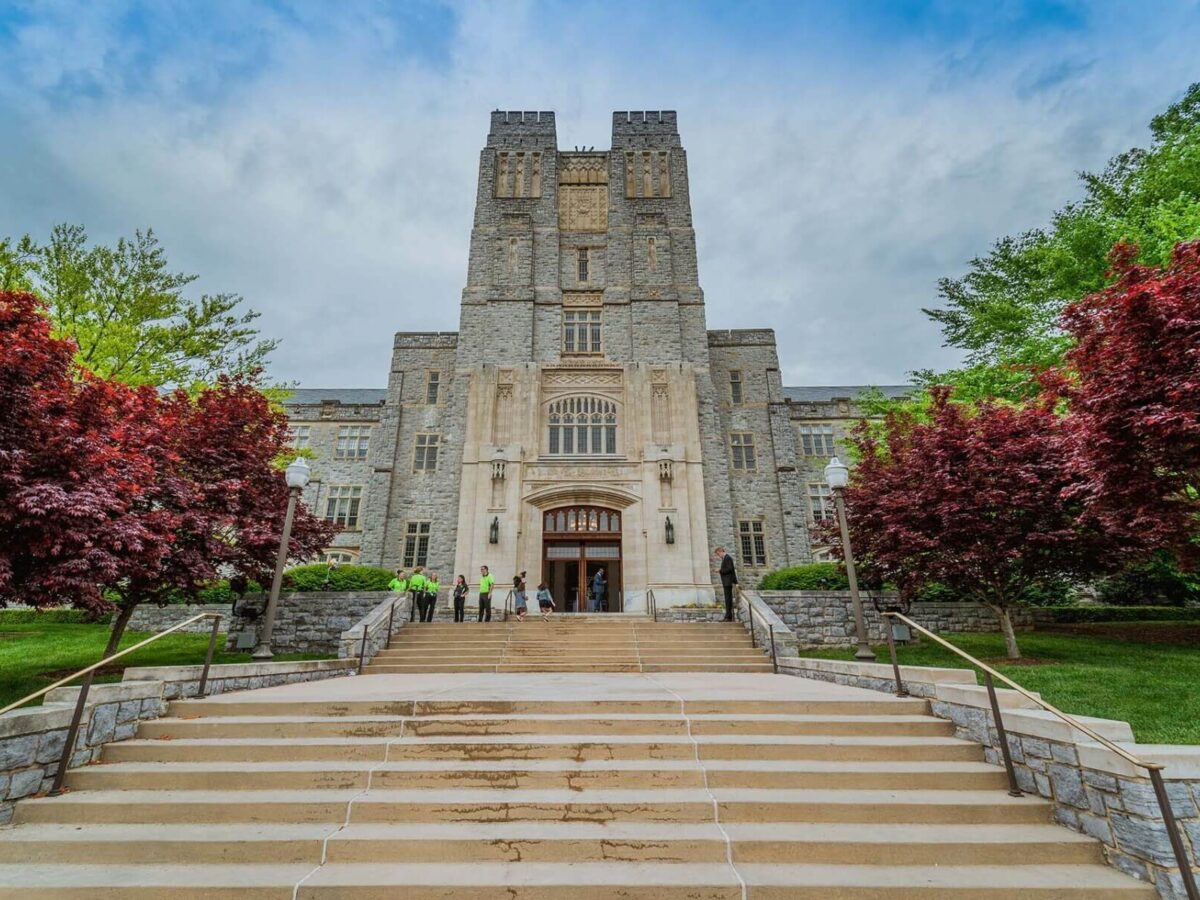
(494, 531)
(670, 531)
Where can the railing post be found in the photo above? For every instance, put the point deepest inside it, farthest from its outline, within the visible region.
(1177, 845)
(774, 658)
(208, 658)
(901, 690)
(362, 650)
(750, 616)
(1014, 789)
(391, 617)
(72, 735)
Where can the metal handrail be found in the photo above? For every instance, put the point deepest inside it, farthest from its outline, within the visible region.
(1154, 769)
(750, 616)
(362, 649)
(508, 599)
(652, 602)
(89, 674)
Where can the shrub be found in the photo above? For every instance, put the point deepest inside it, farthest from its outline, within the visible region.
(1158, 582)
(1066, 615)
(319, 577)
(63, 616)
(818, 576)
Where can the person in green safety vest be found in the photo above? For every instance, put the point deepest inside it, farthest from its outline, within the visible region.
(399, 584)
(486, 581)
(416, 585)
(431, 593)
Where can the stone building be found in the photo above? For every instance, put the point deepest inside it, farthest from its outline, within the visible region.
(583, 416)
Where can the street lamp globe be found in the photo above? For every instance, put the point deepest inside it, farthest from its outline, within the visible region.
(836, 474)
(298, 473)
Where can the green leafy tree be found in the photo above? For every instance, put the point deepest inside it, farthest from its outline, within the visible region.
(129, 314)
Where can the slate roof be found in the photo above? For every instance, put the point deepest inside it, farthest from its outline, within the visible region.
(826, 393)
(315, 396)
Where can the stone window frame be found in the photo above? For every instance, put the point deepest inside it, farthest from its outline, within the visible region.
(426, 445)
(821, 505)
(743, 454)
(300, 436)
(415, 552)
(752, 543)
(602, 426)
(583, 258)
(352, 442)
(813, 434)
(433, 387)
(737, 387)
(340, 555)
(591, 320)
(344, 505)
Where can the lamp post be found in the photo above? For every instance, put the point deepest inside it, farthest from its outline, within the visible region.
(297, 477)
(837, 476)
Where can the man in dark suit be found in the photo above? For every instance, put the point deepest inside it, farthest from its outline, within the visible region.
(728, 579)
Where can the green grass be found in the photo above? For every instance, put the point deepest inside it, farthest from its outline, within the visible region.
(1155, 687)
(33, 656)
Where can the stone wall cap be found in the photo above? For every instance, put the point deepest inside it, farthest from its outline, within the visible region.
(914, 674)
(1044, 724)
(109, 693)
(236, 670)
(34, 720)
(1182, 761)
(977, 695)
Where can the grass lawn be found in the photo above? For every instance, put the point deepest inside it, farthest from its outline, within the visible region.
(36, 655)
(1145, 673)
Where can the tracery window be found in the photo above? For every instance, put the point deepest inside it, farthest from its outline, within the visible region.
(582, 518)
(583, 426)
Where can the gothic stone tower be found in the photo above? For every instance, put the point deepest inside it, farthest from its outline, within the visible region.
(583, 416)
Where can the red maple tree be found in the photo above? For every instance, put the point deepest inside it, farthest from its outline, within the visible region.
(1133, 389)
(977, 500)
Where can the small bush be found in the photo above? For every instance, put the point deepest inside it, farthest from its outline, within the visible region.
(319, 577)
(59, 616)
(1158, 582)
(819, 576)
(1067, 615)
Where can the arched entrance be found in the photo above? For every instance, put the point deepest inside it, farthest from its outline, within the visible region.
(579, 541)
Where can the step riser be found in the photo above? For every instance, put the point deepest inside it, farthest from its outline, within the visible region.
(168, 751)
(96, 779)
(368, 811)
(435, 668)
(365, 850)
(157, 730)
(890, 707)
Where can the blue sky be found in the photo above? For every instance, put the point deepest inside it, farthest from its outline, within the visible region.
(320, 158)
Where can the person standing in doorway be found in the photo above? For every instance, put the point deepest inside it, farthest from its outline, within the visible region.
(486, 581)
(460, 598)
(599, 587)
(431, 593)
(728, 579)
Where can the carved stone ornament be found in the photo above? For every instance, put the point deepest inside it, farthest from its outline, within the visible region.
(583, 208)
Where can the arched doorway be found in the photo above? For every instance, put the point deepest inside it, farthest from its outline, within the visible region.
(579, 541)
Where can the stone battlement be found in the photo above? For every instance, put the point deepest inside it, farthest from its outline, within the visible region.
(645, 122)
(527, 122)
(742, 337)
(425, 340)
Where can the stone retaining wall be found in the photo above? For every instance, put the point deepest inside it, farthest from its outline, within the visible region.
(32, 739)
(149, 617)
(310, 622)
(1093, 790)
(825, 618)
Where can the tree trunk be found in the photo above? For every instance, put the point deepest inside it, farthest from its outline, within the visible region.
(1006, 628)
(120, 620)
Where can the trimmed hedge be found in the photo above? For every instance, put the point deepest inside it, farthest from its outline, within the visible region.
(320, 577)
(818, 576)
(1158, 582)
(1067, 615)
(57, 616)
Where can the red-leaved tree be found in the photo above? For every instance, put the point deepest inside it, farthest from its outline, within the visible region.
(978, 500)
(77, 459)
(1133, 389)
(220, 494)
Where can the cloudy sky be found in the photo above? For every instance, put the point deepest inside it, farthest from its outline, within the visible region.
(320, 158)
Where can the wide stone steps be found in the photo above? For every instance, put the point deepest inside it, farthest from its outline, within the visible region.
(497, 790)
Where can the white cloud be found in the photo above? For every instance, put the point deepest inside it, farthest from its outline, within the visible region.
(330, 176)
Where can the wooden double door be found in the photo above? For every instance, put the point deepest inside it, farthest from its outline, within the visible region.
(579, 541)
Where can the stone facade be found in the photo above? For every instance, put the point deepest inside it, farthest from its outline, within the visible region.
(825, 618)
(582, 378)
(310, 622)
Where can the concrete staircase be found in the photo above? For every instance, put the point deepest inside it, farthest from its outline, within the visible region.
(571, 643)
(757, 787)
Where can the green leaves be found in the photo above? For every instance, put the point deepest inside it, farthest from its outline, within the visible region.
(129, 314)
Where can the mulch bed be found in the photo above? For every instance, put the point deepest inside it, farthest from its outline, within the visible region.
(1183, 634)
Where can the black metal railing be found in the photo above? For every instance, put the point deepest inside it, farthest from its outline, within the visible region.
(368, 630)
(652, 604)
(749, 616)
(90, 673)
(1155, 770)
